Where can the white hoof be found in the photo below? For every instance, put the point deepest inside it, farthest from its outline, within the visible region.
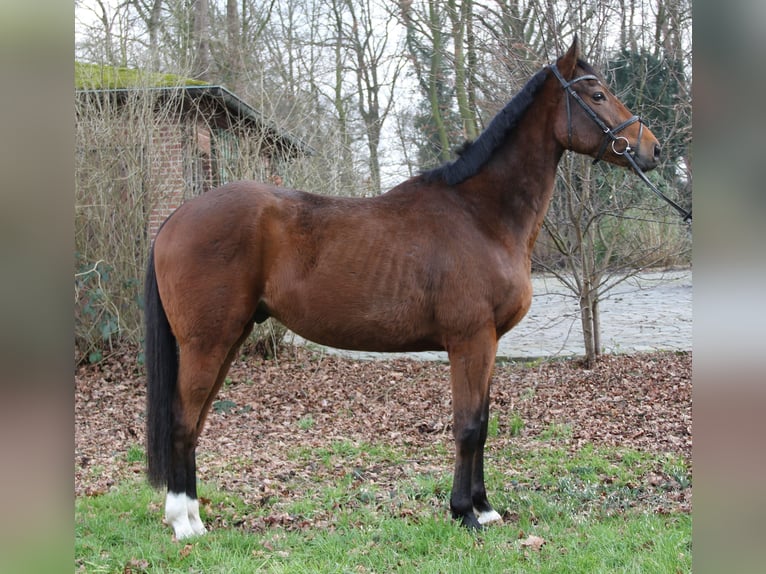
(487, 516)
(183, 531)
(194, 519)
(182, 514)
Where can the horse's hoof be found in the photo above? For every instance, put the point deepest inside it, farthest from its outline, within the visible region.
(470, 522)
(182, 532)
(488, 516)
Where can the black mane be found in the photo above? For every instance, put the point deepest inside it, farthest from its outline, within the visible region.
(473, 155)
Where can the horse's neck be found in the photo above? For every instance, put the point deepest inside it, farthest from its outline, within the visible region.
(517, 184)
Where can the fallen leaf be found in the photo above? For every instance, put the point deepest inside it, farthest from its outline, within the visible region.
(135, 565)
(533, 542)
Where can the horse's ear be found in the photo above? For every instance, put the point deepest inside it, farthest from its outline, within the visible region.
(568, 62)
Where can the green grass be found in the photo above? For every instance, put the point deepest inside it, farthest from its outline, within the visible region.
(593, 507)
(516, 424)
(135, 454)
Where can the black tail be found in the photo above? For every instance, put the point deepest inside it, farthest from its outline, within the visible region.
(161, 359)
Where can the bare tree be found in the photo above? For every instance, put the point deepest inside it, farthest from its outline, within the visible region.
(375, 71)
(461, 19)
(150, 13)
(200, 67)
(233, 42)
(107, 32)
(602, 226)
(426, 46)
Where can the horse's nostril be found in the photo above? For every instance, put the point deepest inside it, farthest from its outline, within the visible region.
(657, 150)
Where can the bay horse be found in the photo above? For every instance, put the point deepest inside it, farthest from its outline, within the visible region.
(439, 262)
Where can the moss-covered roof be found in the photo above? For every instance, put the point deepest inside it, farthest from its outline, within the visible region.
(100, 77)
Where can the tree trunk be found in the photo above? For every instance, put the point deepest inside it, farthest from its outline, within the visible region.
(596, 326)
(339, 100)
(108, 38)
(201, 41)
(434, 80)
(425, 45)
(460, 18)
(234, 65)
(588, 266)
(153, 26)
(586, 319)
(373, 143)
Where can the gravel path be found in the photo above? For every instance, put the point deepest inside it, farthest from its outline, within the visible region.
(651, 311)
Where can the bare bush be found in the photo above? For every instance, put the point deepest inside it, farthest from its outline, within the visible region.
(112, 201)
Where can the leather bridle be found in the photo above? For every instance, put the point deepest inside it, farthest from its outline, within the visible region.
(610, 135)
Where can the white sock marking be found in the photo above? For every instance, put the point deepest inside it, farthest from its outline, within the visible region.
(487, 516)
(182, 514)
(195, 521)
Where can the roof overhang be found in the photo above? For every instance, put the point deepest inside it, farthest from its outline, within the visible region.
(235, 107)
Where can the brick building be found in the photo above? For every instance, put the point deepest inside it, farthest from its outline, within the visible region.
(162, 144)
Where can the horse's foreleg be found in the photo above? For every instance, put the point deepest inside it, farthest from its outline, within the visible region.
(470, 370)
(481, 506)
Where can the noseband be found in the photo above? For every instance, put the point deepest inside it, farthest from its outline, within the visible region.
(611, 136)
(610, 133)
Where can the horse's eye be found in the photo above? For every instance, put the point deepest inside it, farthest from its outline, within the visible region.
(599, 97)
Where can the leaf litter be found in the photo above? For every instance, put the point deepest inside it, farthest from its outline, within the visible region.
(333, 410)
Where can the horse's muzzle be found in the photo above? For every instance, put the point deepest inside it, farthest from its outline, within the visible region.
(648, 162)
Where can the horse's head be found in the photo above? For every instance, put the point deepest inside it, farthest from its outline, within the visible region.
(592, 121)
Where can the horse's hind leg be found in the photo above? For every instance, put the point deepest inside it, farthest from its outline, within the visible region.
(200, 376)
(197, 379)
